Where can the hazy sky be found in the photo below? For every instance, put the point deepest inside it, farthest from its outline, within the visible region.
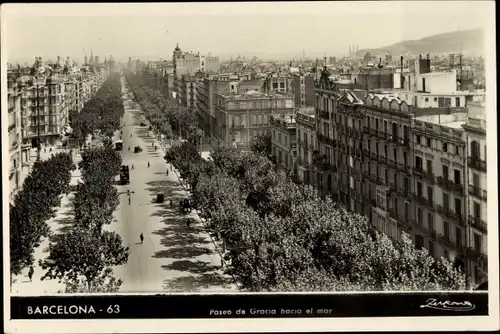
(152, 30)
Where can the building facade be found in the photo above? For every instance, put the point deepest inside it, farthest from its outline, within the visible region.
(284, 141)
(303, 90)
(306, 144)
(476, 199)
(241, 117)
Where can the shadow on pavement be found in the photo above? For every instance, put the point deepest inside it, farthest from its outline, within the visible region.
(196, 283)
(198, 267)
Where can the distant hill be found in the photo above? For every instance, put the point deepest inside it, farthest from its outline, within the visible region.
(466, 41)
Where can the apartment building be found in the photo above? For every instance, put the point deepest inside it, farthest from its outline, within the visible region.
(206, 105)
(406, 169)
(284, 141)
(303, 89)
(439, 191)
(18, 153)
(240, 117)
(476, 199)
(307, 144)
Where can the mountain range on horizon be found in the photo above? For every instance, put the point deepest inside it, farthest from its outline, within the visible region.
(469, 42)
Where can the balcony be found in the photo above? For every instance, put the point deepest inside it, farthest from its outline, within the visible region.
(14, 145)
(374, 156)
(405, 142)
(478, 223)
(358, 153)
(447, 241)
(373, 132)
(479, 257)
(383, 160)
(404, 168)
(324, 115)
(424, 201)
(366, 130)
(477, 192)
(366, 153)
(477, 163)
(450, 185)
(450, 214)
(393, 163)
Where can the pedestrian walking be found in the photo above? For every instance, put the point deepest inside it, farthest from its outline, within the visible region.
(51, 149)
(30, 273)
(130, 135)
(129, 200)
(142, 238)
(171, 203)
(148, 164)
(167, 172)
(132, 167)
(129, 148)
(44, 150)
(188, 223)
(153, 144)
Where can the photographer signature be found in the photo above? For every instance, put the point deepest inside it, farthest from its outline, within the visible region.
(447, 305)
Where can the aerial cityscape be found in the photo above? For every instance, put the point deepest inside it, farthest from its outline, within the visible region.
(359, 169)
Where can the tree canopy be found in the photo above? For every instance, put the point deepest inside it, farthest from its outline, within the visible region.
(284, 237)
(83, 257)
(34, 204)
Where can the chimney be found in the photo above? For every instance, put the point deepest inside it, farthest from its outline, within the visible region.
(402, 77)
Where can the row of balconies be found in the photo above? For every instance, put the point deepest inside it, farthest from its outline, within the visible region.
(478, 192)
(386, 136)
(477, 163)
(450, 185)
(447, 212)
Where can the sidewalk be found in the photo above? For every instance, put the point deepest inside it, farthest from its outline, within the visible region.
(61, 223)
(195, 214)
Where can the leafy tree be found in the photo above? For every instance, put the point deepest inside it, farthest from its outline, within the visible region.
(34, 204)
(105, 282)
(283, 237)
(262, 144)
(83, 254)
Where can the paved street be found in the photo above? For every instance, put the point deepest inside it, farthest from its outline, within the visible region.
(173, 257)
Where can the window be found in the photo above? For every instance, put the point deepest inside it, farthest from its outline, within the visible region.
(435, 99)
(420, 216)
(457, 102)
(431, 248)
(457, 176)
(458, 206)
(446, 200)
(457, 150)
(418, 139)
(395, 155)
(419, 241)
(445, 147)
(407, 184)
(475, 180)
(477, 210)
(458, 237)
(446, 254)
(477, 242)
(430, 221)
(381, 199)
(474, 150)
(418, 163)
(419, 189)
(445, 172)
(429, 166)
(426, 99)
(429, 142)
(407, 210)
(446, 229)
(430, 194)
